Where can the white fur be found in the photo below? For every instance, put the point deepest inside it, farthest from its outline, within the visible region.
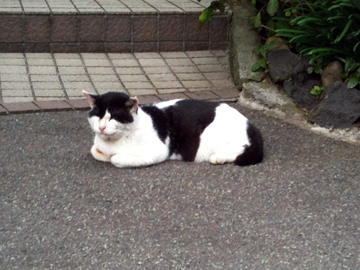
(129, 145)
(225, 138)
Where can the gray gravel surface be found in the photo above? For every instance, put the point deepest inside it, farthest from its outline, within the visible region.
(61, 209)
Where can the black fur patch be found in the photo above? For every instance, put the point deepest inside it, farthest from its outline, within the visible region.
(187, 120)
(159, 121)
(254, 153)
(115, 104)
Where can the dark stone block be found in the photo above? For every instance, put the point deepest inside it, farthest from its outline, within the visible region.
(118, 28)
(64, 28)
(196, 46)
(281, 64)
(118, 47)
(65, 48)
(192, 30)
(37, 47)
(92, 47)
(11, 28)
(92, 28)
(301, 84)
(339, 107)
(11, 47)
(171, 46)
(37, 28)
(145, 28)
(219, 29)
(146, 47)
(171, 28)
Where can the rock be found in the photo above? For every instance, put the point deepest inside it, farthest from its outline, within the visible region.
(339, 107)
(332, 73)
(243, 40)
(281, 64)
(301, 83)
(274, 39)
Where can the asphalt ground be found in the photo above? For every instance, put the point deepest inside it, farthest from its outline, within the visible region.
(61, 209)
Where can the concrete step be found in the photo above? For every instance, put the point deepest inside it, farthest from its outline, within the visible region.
(40, 78)
(111, 26)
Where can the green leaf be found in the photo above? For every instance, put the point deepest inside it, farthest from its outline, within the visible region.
(288, 13)
(258, 20)
(352, 82)
(272, 7)
(346, 28)
(259, 64)
(204, 15)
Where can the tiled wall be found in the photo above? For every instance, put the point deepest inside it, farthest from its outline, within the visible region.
(108, 26)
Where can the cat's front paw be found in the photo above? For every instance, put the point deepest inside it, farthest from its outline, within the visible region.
(98, 155)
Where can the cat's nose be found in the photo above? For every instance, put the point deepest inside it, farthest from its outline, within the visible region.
(102, 128)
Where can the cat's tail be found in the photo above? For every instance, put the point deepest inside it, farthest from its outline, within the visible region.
(254, 153)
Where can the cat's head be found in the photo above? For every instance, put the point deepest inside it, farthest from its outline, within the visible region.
(111, 113)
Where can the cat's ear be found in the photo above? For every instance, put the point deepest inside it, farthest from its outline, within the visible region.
(132, 104)
(91, 98)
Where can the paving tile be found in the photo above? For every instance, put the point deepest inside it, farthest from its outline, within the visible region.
(147, 55)
(207, 95)
(148, 99)
(17, 99)
(44, 78)
(40, 62)
(76, 78)
(93, 55)
(11, 55)
(100, 70)
(12, 61)
(191, 76)
(16, 93)
(139, 92)
(197, 84)
(42, 70)
(171, 90)
(169, 55)
(199, 54)
(223, 83)
(129, 70)
(16, 85)
(33, 55)
(138, 85)
(14, 77)
(134, 78)
(157, 70)
(49, 98)
(206, 61)
(121, 56)
(79, 104)
(108, 85)
(168, 84)
(162, 77)
(3, 110)
(21, 107)
(77, 85)
(77, 93)
(210, 68)
(52, 105)
(104, 78)
(125, 62)
(67, 56)
(47, 85)
(165, 97)
(179, 62)
(72, 70)
(227, 93)
(185, 69)
(97, 62)
(69, 62)
(152, 62)
(49, 93)
(13, 69)
(218, 76)
(103, 91)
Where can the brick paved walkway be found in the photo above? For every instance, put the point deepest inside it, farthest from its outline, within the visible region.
(38, 78)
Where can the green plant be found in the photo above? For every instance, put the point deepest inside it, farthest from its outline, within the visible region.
(317, 90)
(325, 31)
(208, 13)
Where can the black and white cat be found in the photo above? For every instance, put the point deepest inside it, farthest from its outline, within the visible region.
(183, 129)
